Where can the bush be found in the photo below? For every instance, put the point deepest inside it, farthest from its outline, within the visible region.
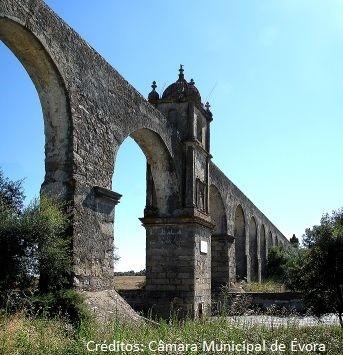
(35, 255)
(67, 304)
(15, 249)
(319, 275)
(15, 252)
(34, 244)
(316, 270)
(48, 222)
(281, 263)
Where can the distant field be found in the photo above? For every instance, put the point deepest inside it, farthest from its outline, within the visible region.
(129, 282)
(137, 282)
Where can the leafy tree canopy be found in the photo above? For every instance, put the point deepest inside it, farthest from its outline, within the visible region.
(316, 269)
(11, 193)
(294, 241)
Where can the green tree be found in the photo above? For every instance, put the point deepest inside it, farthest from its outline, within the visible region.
(282, 263)
(11, 194)
(33, 241)
(45, 223)
(35, 255)
(277, 260)
(322, 272)
(319, 271)
(294, 241)
(13, 248)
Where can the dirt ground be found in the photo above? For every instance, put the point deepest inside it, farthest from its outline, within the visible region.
(129, 282)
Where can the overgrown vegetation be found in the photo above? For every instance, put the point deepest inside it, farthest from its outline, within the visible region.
(316, 269)
(39, 309)
(42, 336)
(35, 255)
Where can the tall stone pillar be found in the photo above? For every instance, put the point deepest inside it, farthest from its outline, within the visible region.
(94, 255)
(221, 246)
(178, 266)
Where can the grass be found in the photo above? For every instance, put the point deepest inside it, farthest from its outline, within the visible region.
(265, 286)
(39, 336)
(129, 282)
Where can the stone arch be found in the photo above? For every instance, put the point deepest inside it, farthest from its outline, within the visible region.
(253, 249)
(130, 180)
(163, 187)
(240, 243)
(263, 250)
(161, 182)
(54, 101)
(217, 211)
(269, 241)
(220, 241)
(162, 200)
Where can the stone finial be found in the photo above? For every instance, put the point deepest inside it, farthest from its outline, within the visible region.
(192, 82)
(153, 96)
(207, 105)
(181, 70)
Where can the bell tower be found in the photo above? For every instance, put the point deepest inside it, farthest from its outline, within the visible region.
(181, 104)
(178, 263)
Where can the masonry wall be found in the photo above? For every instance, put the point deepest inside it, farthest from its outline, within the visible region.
(98, 110)
(232, 198)
(89, 109)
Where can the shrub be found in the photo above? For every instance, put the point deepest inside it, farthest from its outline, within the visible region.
(316, 270)
(15, 252)
(67, 304)
(231, 304)
(34, 244)
(15, 249)
(319, 274)
(35, 255)
(48, 223)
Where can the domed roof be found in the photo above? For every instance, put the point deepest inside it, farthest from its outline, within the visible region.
(181, 90)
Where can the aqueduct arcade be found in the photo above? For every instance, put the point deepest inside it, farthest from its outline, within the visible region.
(201, 230)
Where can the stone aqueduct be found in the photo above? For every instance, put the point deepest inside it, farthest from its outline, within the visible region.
(201, 230)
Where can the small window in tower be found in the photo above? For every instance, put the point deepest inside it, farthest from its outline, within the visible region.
(199, 129)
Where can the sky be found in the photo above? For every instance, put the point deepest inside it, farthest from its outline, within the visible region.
(271, 70)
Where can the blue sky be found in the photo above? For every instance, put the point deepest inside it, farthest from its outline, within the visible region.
(276, 68)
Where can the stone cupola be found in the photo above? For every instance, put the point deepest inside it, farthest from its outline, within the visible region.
(181, 90)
